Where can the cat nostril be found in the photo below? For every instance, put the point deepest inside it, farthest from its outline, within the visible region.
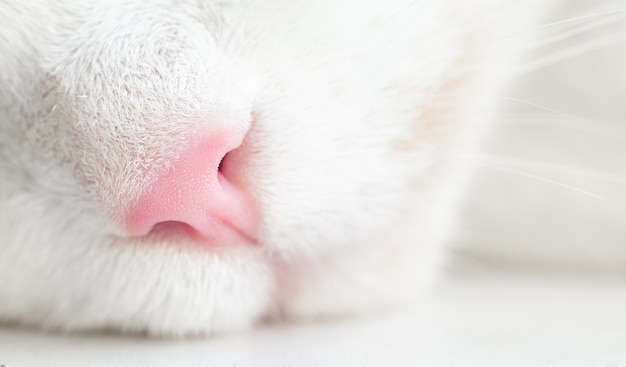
(172, 226)
(194, 196)
(219, 165)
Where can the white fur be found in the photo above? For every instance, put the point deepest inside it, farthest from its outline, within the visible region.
(355, 110)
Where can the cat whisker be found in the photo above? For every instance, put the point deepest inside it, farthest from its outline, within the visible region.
(556, 118)
(511, 165)
(511, 99)
(557, 168)
(587, 43)
(544, 179)
(534, 104)
(607, 13)
(583, 17)
(571, 52)
(576, 123)
(575, 31)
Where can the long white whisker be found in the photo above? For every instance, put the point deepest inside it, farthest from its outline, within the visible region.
(513, 99)
(536, 105)
(567, 34)
(503, 164)
(544, 179)
(571, 52)
(562, 22)
(583, 17)
(575, 171)
(578, 124)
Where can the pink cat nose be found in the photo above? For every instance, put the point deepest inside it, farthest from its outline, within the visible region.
(195, 196)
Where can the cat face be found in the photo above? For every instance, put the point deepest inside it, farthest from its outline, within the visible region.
(190, 167)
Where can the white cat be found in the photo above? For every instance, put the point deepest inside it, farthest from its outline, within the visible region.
(193, 167)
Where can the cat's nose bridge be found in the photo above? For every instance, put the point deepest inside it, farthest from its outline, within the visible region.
(195, 192)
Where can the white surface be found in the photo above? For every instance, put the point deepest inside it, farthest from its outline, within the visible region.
(480, 322)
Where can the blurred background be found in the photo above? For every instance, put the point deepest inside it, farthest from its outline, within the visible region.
(551, 196)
